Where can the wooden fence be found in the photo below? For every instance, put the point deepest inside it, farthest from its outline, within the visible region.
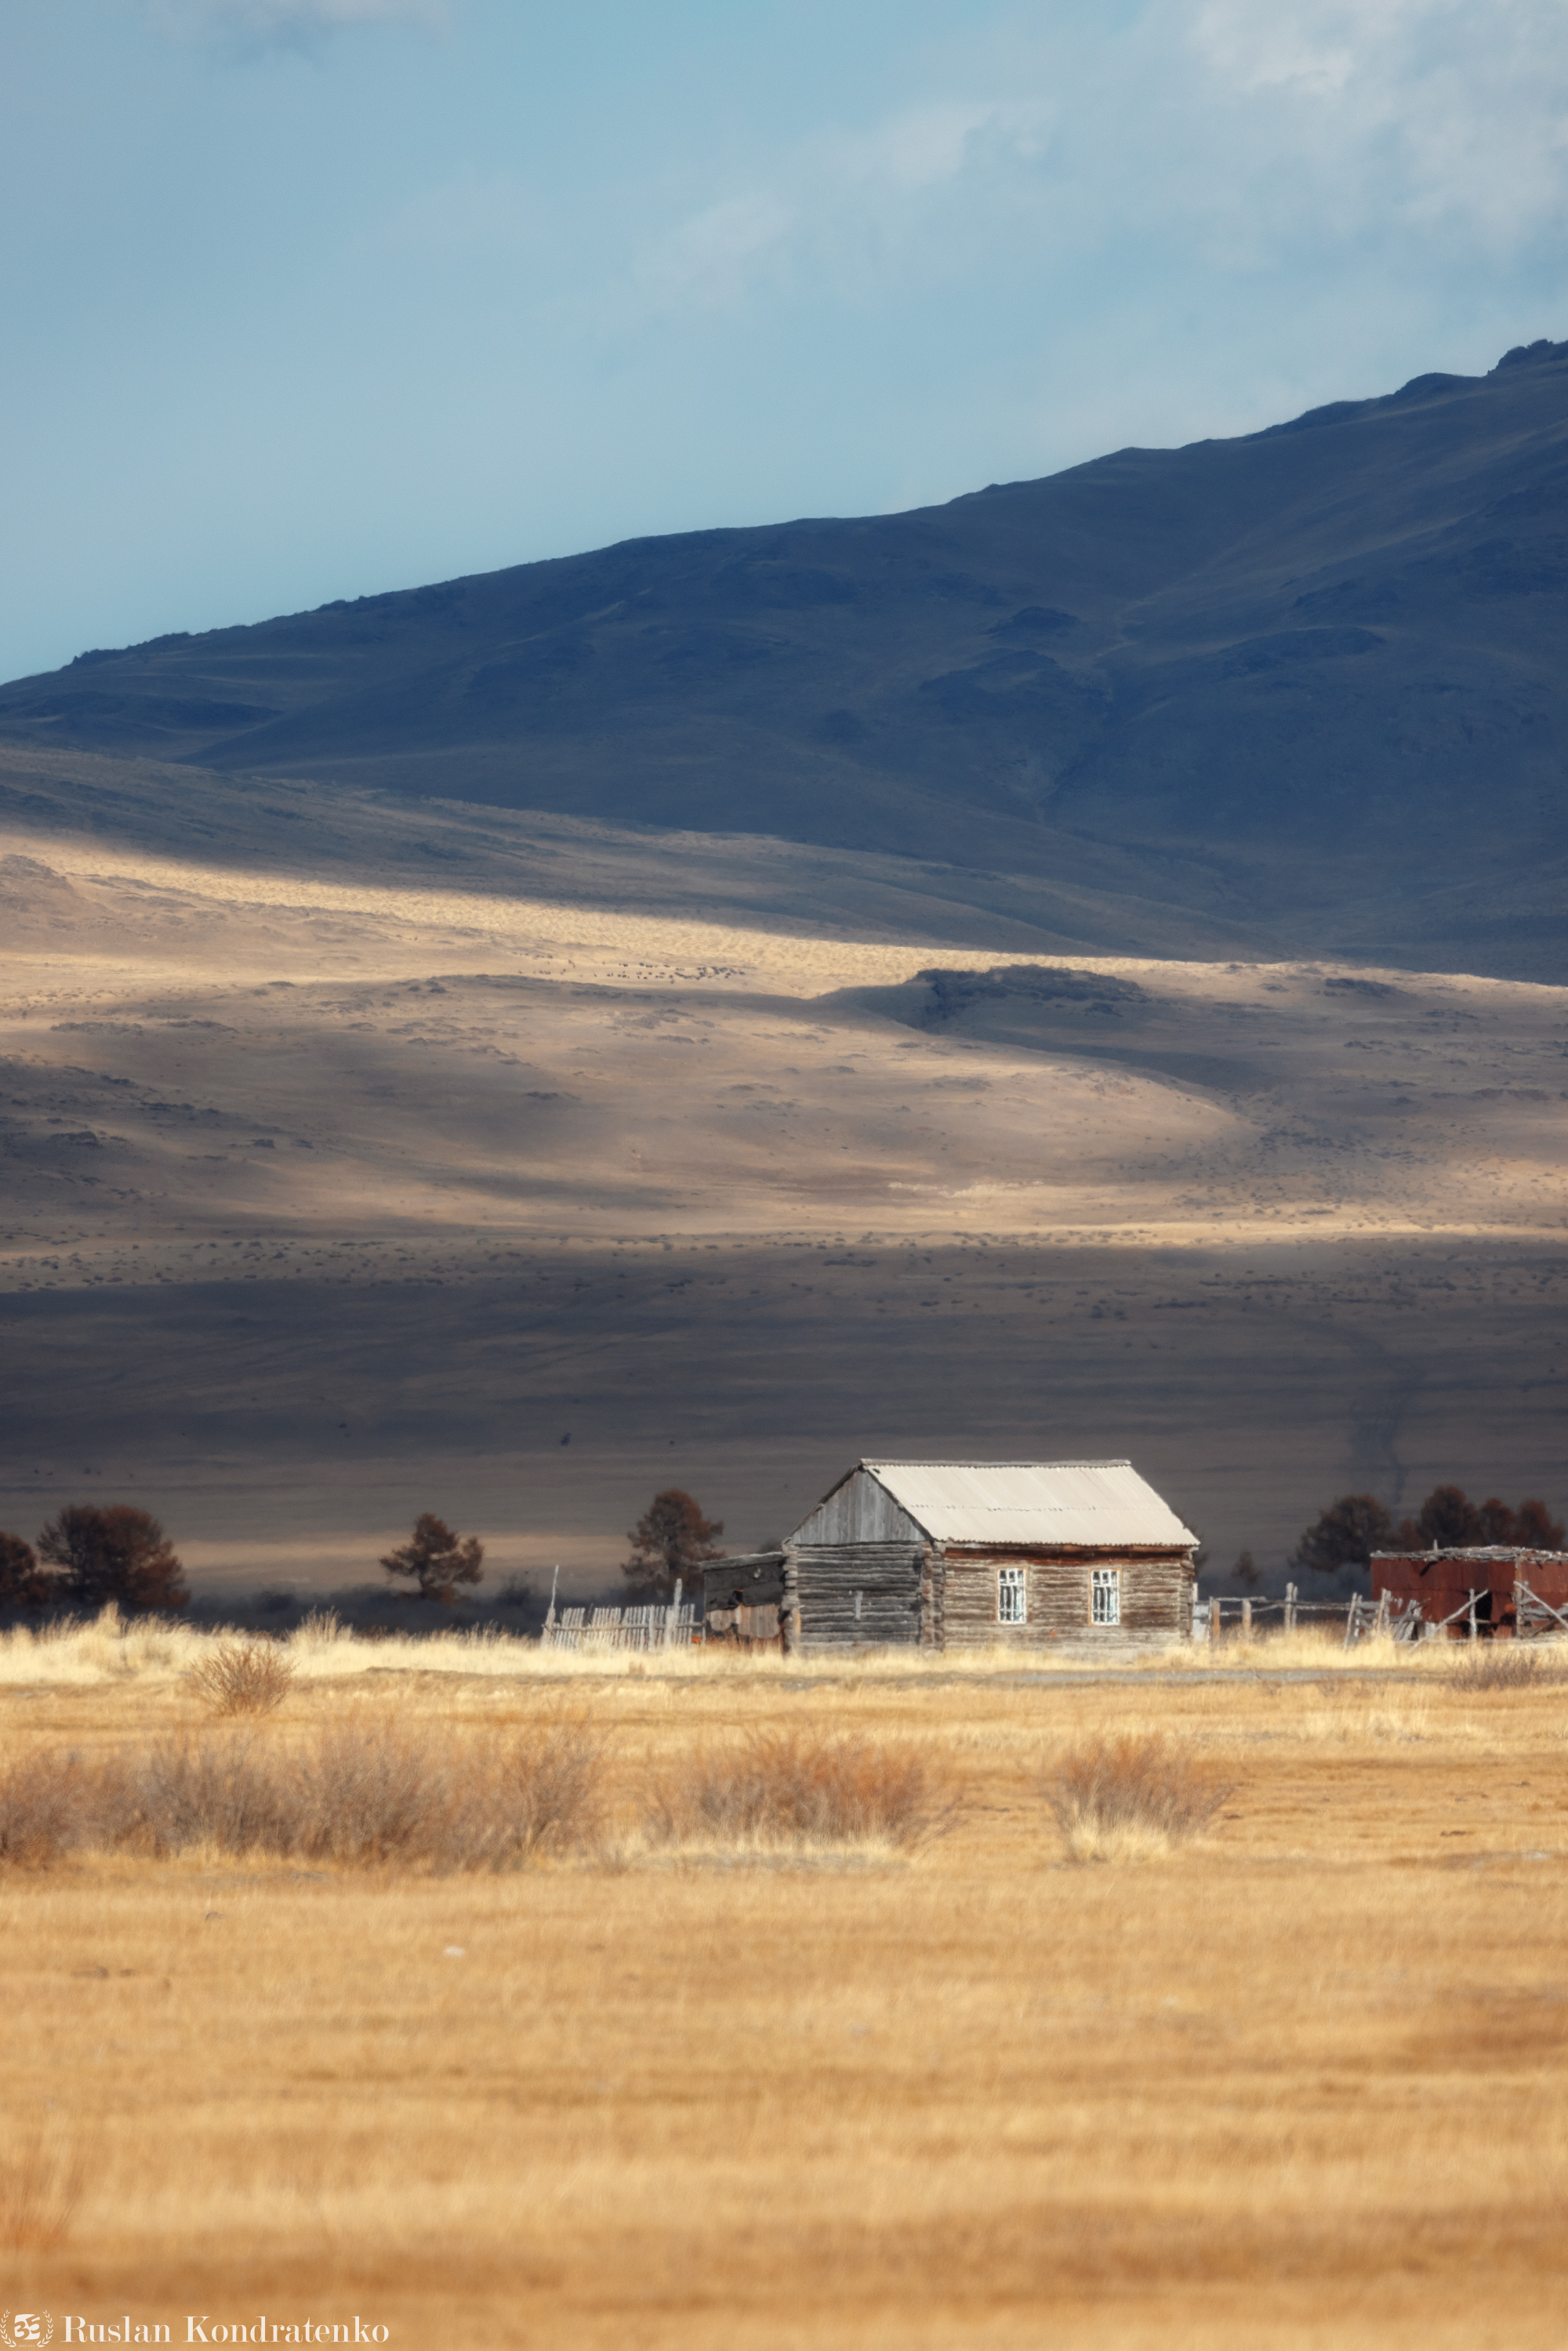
(1397, 1620)
(653, 1627)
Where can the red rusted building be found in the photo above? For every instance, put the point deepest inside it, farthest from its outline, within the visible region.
(1442, 1581)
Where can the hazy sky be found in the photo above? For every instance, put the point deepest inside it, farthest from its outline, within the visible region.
(308, 298)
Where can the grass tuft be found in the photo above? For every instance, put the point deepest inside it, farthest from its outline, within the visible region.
(1130, 1798)
(1502, 1665)
(243, 1677)
(786, 1788)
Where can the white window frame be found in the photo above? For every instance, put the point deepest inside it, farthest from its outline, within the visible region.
(1012, 1595)
(1104, 1595)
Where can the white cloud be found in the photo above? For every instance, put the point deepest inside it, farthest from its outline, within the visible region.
(1242, 134)
(288, 23)
(1407, 113)
(841, 208)
(709, 260)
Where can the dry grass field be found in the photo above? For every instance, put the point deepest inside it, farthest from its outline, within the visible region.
(1296, 2081)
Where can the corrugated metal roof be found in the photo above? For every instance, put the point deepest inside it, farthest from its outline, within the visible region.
(1090, 1502)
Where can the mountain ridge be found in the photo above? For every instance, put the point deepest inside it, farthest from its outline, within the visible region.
(1276, 669)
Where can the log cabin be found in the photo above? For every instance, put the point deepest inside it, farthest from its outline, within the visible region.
(941, 1555)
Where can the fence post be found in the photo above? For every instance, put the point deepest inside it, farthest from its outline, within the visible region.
(1473, 1634)
(672, 1620)
(1247, 1620)
(1291, 1597)
(1213, 1616)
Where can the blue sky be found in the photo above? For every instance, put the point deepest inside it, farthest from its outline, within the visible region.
(308, 298)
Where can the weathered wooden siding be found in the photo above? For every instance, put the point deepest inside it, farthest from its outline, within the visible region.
(933, 1598)
(820, 1584)
(1157, 1599)
(758, 1578)
(860, 1510)
(746, 1628)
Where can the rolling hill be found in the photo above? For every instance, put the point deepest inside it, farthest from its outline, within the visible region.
(1306, 686)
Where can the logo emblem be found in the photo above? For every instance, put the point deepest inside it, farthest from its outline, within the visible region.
(22, 2327)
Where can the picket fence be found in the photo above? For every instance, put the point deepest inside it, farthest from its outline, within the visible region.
(622, 1628)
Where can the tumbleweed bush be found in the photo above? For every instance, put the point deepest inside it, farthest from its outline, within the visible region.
(244, 1677)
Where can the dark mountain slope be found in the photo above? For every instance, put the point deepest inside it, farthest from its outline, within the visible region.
(1314, 678)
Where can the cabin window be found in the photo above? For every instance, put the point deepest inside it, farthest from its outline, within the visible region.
(1105, 1606)
(1011, 1607)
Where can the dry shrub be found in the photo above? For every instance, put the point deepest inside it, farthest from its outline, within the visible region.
(1132, 1798)
(359, 1795)
(383, 1795)
(366, 1794)
(51, 1804)
(41, 2179)
(786, 1788)
(1502, 1665)
(244, 1677)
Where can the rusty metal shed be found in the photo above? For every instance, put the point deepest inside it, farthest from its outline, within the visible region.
(1442, 1581)
(949, 1554)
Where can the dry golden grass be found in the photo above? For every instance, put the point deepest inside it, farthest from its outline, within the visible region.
(41, 2177)
(1300, 2083)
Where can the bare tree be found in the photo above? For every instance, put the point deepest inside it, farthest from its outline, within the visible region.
(437, 1560)
(671, 1540)
(23, 1582)
(1449, 1520)
(1344, 1535)
(1534, 1526)
(118, 1555)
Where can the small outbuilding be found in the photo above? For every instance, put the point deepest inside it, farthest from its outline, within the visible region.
(742, 1598)
(1500, 1576)
(975, 1554)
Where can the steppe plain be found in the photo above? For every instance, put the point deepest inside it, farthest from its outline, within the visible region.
(1300, 2083)
(364, 1156)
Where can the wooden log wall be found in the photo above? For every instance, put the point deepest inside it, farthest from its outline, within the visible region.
(1157, 1600)
(820, 1584)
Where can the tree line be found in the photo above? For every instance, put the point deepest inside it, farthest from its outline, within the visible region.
(1348, 1532)
(89, 1557)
